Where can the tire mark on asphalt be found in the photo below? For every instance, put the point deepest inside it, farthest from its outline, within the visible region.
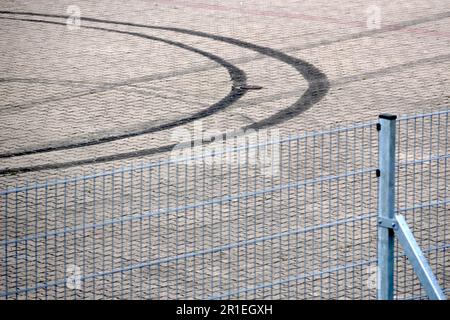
(355, 78)
(317, 89)
(317, 80)
(143, 153)
(351, 79)
(341, 81)
(98, 87)
(363, 34)
(358, 35)
(237, 76)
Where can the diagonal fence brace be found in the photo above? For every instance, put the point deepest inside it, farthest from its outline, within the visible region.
(417, 259)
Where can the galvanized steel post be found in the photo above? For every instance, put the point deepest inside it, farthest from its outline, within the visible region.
(386, 201)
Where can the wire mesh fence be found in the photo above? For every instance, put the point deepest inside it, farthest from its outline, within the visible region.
(423, 197)
(249, 217)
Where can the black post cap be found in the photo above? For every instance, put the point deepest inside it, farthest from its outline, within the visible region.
(387, 116)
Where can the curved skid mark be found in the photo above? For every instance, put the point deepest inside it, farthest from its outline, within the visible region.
(317, 81)
(237, 76)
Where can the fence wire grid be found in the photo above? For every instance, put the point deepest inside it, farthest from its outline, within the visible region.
(298, 223)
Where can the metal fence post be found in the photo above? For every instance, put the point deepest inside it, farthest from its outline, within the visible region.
(386, 198)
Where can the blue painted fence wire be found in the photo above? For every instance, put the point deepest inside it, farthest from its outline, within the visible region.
(291, 218)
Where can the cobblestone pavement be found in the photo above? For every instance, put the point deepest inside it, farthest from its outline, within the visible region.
(124, 86)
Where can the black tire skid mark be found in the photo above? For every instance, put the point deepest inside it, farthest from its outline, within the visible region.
(317, 81)
(392, 69)
(110, 132)
(238, 78)
(363, 34)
